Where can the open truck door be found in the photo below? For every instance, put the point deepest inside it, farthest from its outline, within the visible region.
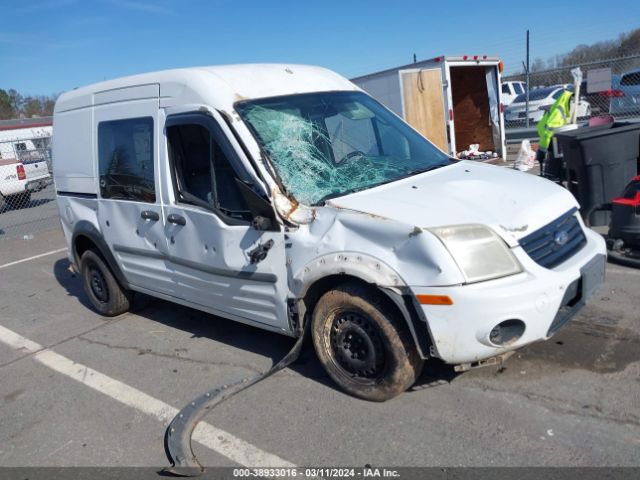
(423, 104)
(454, 101)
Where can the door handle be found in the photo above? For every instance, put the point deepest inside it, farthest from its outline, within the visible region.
(150, 215)
(177, 219)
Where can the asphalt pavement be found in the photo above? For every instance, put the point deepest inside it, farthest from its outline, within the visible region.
(77, 389)
(38, 215)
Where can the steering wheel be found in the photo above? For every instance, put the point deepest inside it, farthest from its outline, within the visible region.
(349, 156)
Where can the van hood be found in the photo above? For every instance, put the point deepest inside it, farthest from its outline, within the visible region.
(514, 204)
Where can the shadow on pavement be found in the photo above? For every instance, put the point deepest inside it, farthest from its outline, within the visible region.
(234, 334)
(203, 325)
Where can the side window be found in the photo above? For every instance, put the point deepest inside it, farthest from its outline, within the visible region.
(518, 88)
(505, 88)
(203, 173)
(125, 159)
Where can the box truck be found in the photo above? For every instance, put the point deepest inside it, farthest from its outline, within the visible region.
(454, 101)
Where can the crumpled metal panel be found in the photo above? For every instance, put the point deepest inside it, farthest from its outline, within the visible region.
(378, 250)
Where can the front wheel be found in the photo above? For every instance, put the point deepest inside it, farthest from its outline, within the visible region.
(363, 345)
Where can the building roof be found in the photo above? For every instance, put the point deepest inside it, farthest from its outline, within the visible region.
(18, 123)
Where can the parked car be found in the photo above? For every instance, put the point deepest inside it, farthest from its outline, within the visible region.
(600, 102)
(540, 100)
(283, 196)
(510, 90)
(627, 100)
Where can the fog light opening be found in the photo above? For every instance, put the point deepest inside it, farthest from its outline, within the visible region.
(507, 332)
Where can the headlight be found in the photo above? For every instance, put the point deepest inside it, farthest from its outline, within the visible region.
(479, 252)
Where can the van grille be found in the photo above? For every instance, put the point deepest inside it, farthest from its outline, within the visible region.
(556, 242)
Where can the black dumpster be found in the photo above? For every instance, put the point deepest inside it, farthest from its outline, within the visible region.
(600, 162)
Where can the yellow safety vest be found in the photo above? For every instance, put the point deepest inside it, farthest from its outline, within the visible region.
(555, 117)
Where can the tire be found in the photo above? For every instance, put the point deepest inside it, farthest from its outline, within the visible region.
(104, 292)
(362, 343)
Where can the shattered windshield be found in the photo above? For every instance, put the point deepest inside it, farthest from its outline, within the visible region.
(328, 144)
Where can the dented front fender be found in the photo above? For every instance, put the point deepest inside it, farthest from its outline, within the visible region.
(380, 251)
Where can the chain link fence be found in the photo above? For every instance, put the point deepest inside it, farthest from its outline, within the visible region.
(619, 97)
(27, 195)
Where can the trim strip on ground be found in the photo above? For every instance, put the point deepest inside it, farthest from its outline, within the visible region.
(206, 434)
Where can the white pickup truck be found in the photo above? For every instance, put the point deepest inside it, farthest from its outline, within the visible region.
(24, 165)
(19, 179)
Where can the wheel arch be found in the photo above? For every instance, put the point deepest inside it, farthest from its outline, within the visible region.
(86, 236)
(398, 299)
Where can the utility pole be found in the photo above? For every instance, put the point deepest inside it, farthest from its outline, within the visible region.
(526, 71)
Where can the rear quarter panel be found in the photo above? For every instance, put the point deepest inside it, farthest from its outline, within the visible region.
(73, 150)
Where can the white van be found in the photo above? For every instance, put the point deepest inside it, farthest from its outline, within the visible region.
(283, 195)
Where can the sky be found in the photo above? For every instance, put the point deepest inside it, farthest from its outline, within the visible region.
(50, 46)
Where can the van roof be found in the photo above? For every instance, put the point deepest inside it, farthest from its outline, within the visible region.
(219, 86)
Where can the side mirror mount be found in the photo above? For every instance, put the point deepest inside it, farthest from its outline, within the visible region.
(262, 223)
(264, 218)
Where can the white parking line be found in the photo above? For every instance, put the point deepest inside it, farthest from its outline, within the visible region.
(11, 264)
(211, 437)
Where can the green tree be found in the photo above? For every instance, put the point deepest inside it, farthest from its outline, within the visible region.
(16, 100)
(32, 107)
(6, 109)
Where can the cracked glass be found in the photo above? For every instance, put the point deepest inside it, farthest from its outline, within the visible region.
(329, 144)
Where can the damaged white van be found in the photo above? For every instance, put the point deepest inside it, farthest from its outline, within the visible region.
(283, 195)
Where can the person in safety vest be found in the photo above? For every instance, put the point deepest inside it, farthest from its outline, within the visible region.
(556, 116)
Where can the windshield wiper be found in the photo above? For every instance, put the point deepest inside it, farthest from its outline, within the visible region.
(339, 194)
(410, 173)
(417, 171)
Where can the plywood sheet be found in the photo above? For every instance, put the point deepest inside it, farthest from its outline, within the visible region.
(424, 105)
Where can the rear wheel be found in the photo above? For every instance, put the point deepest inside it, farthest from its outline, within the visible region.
(363, 345)
(104, 292)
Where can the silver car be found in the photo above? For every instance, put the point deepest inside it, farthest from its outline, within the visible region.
(628, 101)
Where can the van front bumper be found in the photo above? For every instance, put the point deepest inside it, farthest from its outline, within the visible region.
(542, 299)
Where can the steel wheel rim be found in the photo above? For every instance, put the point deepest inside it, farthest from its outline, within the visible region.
(356, 346)
(98, 284)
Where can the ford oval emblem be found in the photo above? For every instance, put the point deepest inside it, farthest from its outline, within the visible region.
(561, 237)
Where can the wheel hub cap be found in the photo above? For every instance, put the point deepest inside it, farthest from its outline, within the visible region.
(98, 285)
(356, 345)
